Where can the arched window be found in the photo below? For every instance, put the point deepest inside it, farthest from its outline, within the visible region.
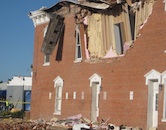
(58, 85)
(78, 55)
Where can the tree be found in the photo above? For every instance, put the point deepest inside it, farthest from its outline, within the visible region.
(1, 81)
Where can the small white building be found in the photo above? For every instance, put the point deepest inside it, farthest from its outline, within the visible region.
(19, 92)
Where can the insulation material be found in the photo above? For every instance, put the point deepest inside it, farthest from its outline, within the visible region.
(106, 33)
(142, 15)
(98, 35)
(94, 35)
(129, 2)
(101, 32)
(127, 34)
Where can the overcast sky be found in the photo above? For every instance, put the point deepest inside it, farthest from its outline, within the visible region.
(17, 36)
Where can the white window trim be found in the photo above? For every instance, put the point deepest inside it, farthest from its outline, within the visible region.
(58, 82)
(78, 45)
(155, 77)
(46, 63)
(45, 30)
(95, 78)
(153, 74)
(164, 100)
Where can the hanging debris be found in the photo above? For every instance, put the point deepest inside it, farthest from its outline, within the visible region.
(52, 36)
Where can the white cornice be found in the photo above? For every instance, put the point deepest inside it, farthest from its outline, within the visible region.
(39, 17)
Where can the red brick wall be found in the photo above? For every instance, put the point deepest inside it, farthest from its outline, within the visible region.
(119, 76)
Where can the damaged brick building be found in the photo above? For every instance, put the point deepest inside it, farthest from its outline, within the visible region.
(101, 59)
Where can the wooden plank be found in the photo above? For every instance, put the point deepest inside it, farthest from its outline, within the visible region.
(82, 32)
(52, 35)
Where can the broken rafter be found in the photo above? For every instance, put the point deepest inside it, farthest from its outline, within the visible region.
(64, 4)
(111, 3)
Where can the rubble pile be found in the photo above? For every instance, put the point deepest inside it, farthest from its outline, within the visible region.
(13, 124)
(76, 122)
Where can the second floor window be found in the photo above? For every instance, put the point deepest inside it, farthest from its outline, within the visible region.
(46, 60)
(119, 38)
(78, 55)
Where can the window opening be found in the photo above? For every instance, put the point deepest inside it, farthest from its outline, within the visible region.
(78, 45)
(132, 24)
(58, 84)
(58, 98)
(27, 98)
(46, 59)
(118, 29)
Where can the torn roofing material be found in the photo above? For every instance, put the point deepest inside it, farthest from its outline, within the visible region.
(56, 23)
(101, 4)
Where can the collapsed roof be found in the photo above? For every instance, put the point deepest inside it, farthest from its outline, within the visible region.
(56, 24)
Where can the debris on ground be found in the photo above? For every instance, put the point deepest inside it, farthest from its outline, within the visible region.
(76, 122)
